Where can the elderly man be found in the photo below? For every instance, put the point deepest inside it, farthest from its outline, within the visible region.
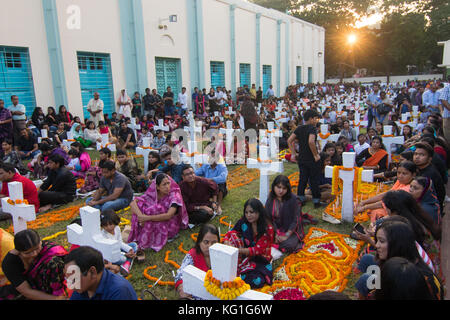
(18, 115)
(95, 109)
(6, 127)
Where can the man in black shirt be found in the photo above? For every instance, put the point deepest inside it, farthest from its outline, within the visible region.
(423, 156)
(27, 145)
(127, 140)
(168, 98)
(308, 157)
(59, 187)
(147, 100)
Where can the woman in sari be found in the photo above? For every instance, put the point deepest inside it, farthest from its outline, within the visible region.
(405, 174)
(9, 155)
(421, 188)
(85, 160)
(35, 269)
(374, 158)
(285, 215)
(158, 215)
(198, 256)
(253, 235)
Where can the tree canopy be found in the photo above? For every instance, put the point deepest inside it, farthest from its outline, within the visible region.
(406, 35)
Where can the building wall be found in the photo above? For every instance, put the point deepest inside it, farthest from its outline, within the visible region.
(29, 32)
(102, 31)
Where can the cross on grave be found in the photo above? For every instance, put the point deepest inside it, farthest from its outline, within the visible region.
(105, 143)
(144, 151)
(193, 130)
(69, 141)
(281, 117)
(230, 111)
(134, 127)
(273, 136)
(90, 235)
(405, 121)
(161, 126)
(229, 136)
(21, 213)
(224, 260)
(266, 166)
(217, 114)
(339, 112)
(357, 123)
(348, 161)
(325, 136)
(415, 115)
(389, 140)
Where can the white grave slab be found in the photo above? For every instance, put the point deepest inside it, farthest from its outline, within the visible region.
(358, 123)
(144, 151)
(90, 235)
(69, 141)
(389, 141)
(161, 126)
(105, 143)
(224, 260)
(21, 213)
(348, 159)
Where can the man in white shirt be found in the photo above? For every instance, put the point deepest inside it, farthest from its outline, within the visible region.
(95, 109)
(221, 97)
(183, 100)
(18, 115)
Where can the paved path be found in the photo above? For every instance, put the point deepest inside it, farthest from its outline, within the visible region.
(445, 244)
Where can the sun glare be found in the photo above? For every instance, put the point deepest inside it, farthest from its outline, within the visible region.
(351, 39)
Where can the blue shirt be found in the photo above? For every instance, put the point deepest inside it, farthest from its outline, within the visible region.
(445, 95)
(374, 98)
(218, 174)
(175, 171)
(111, 287)
(431, 98)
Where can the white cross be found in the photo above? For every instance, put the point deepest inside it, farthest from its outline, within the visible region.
(144, 151)
(415, 115)
(273, 136)
(348, 160)
(134, 127)
(280, 117)
(161, 126)
(406, 122)
(230, 111)
(90, 235)
(265, 167)
(229, 137)
(331, 137)
(105, 143)
(69, 141)
(21, 213)
(193, 130)
(224, 260)
(389, 141)
(358, 123)
(217, 114)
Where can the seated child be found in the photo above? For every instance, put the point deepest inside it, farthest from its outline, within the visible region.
(74, 160)
(130, 169)
(145, 133)
(109, 222)
(94, 173)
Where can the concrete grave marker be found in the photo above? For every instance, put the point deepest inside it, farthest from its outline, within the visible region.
(21, 213)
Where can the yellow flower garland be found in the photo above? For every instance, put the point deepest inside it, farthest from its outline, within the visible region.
(229, 290)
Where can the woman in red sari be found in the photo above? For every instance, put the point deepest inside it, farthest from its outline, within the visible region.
(374, 158)
(35, 269)
(253, 235)
(198, 256)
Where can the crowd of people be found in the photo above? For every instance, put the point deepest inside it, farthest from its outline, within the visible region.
(403, 236)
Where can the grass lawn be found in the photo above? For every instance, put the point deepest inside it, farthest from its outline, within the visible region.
(232, 207)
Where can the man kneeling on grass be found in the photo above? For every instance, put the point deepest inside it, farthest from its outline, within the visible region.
(60, 186)
(115, 190)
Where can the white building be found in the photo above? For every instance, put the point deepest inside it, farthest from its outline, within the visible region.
(445, 56)
(61, 52)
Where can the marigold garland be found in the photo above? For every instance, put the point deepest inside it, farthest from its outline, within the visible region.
(324, 136)
(54, 236)
(228, 290)
(151, 278)
(180, 247)
(240, 177)
(171, 262)
(18, 201)
(222, 221)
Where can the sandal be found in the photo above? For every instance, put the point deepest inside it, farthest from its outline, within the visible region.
(140, 255)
